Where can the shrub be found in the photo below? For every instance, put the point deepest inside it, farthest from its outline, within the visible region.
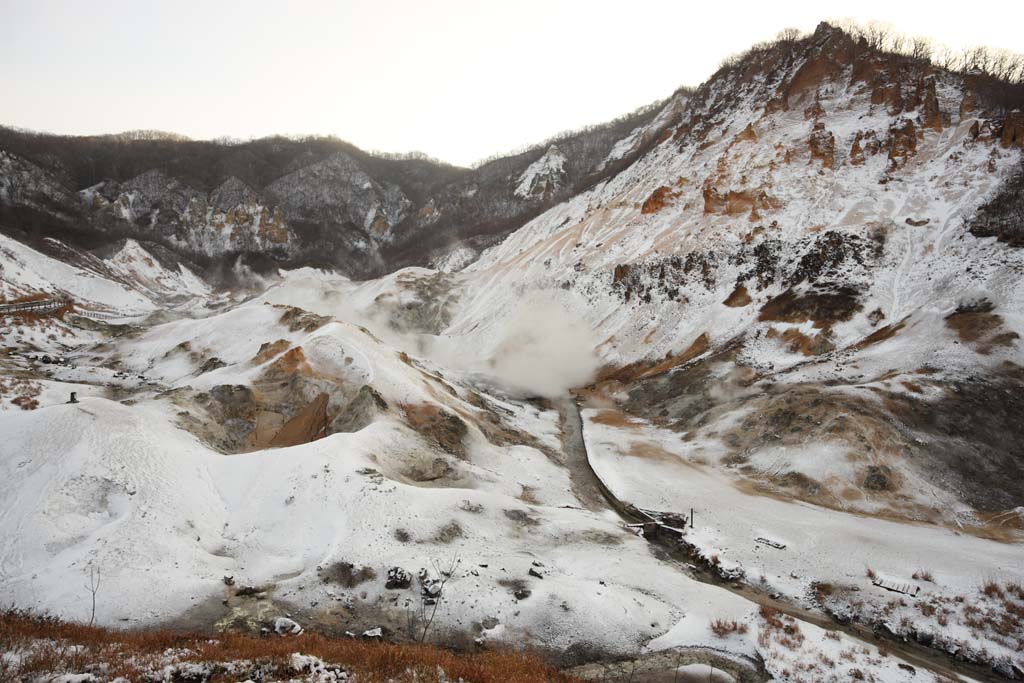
(722, 628)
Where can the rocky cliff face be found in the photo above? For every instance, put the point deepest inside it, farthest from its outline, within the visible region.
(289, 203)
(814, 234)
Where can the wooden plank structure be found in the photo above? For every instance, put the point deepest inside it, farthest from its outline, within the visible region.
(897, 586)
(38, 306)
(54, 304)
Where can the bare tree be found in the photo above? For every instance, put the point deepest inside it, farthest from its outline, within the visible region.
(788, 35)
(921, 48)
(444, 574)
(93, 587)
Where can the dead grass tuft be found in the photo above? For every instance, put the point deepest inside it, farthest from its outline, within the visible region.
(722, 628)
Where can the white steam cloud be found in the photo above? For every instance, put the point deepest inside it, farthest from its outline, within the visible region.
(543, 349)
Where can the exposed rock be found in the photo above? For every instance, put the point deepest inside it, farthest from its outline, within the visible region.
(889, 95)
(737, 202)
(298, 319)
(309, 424)
(878, 478)
(268, 350)
(657, 201)
(968, 103)
(398, 579)
(902, 143)
(444, 429)
(211, 364)
(360, 411)
(931, 117)
(746, 135)
(431, 470)
(283, 626)
(823, 146)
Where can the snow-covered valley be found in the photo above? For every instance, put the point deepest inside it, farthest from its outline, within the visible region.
(750, 404)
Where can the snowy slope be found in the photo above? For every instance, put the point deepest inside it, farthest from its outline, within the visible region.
(777, 316)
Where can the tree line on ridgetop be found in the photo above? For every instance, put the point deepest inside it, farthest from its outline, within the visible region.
(997, 74)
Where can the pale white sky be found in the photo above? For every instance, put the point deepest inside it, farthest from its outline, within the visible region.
(457, 79)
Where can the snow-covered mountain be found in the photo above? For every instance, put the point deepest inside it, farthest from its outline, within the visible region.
(284, 202)
(787, 305)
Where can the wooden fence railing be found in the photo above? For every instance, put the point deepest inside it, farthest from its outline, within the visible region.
(44, 306)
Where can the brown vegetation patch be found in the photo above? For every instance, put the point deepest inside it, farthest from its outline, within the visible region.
(738, 298)
(722, 628)
(973, 321)
(798, 342)
(976, 323)
(880, 335)
(825, 307)
(22, 392)
(448, 533)
(1002, 340)
(912, 386)
(56, 647)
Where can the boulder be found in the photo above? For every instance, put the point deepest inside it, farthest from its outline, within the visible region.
(398, 579)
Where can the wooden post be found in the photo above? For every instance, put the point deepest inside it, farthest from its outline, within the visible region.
(691, 518)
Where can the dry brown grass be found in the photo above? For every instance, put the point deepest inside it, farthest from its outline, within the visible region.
(779, 628)
(992, 589)
(53, 647)
(722, 628)
(924, 575)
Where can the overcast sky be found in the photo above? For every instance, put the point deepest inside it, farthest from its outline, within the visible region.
(457, 79)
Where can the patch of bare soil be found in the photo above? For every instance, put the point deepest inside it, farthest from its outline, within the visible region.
(880, 335)
(297, 319)
(439, 426)
(975, 323)
(270, 349)
(643, 369)
(309, 424)
(798, 342)
(739, 297)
